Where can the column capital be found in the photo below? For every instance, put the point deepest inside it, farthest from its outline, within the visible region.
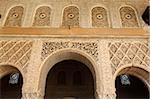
(32, 95)
(109, 96)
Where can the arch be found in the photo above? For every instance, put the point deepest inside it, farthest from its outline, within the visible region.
(11, 66)
(14, 16)
(99, 17)
(130, 86)
(42, 16)
(67, 54)
(128, 16)
(71, 16)
(5, 72)
(130, 69)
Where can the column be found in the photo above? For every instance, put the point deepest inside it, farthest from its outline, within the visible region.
(108, 91)
(30, 88)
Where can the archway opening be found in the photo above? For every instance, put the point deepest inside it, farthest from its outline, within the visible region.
(130, 87)
(11, 83)
(69, 79)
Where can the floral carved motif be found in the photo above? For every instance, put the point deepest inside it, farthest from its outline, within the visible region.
(128, 17)
(99, 17)
(49, 47)
(126, 53)
(42, 16)
(15, 52)
(14, 17)
(71, 17)
(89, 47)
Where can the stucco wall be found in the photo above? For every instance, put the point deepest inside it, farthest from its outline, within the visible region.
(97, 53)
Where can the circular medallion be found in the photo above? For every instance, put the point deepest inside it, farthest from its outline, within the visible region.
(15, 15)
(99, 16)
(42, 15)
(71, 16)
(128, 16)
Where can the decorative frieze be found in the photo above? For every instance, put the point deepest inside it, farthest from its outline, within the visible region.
(127, 53)
(14, 17)
(89, 47)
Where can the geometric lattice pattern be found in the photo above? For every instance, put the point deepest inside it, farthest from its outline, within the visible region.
(70, 17)
(89, 47)
(15, 52)
(42, 16)
(14, 17)
(126, 53)
(99, 17)
(128, 17)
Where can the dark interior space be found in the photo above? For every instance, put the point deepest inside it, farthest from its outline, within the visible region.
(146, 15)
(9, 90)
(69, 78)
(135, 90)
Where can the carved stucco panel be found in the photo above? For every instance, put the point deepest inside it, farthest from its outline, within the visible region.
(14, 17)
(89, 47)
(15, 52)
(42, 16)
(128, 17)
(99, 17)
(70, 17)
(127, 53)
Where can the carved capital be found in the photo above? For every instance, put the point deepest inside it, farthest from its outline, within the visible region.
(109, 96)
(34, 95)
